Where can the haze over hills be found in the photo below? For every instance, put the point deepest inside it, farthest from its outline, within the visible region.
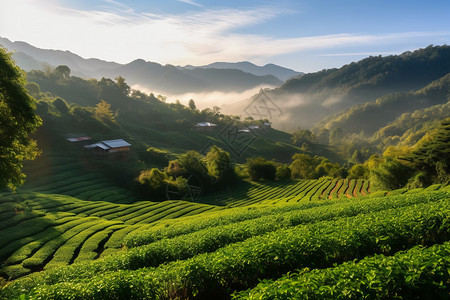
(152, 76)
(269, 69)
(303, 101)
(308, 99)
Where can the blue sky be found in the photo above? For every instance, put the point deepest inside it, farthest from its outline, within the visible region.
(303, 35)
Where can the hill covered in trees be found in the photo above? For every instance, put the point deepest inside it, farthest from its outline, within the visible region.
(308, 99)
(372, 116)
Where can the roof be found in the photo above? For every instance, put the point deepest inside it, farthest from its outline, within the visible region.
(100, 145)
(105, 145)
(79, 139)
(116, 143)
(206, 124)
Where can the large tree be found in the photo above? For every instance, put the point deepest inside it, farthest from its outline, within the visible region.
(17, 120)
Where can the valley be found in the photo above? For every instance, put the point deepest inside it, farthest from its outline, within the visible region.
(334, 184)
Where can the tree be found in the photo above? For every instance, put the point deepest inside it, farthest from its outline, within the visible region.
(103, 111)
(301, 136)
(192, 105)
(62, 71)
(304, 166)
(283, 172)
(260, 168)
(359, 171)
(61, 106)
(17, 121)
(192, 163)
(123, 86)
(153, 182)
(219, 165)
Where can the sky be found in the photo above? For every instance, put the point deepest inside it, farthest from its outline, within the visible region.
(305, 36)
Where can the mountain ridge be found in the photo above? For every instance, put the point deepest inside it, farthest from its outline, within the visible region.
(167, 79)
(308, 99)
(268, 69)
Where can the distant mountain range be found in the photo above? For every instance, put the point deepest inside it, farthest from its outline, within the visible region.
(269, 69)
(227, 77)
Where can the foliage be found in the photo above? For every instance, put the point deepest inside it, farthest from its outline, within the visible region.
(301, 136)
(103, 111)
(62, 71)
(431, 154)
(388, 174)
(359, 171)
(304, 166)
(192, 105)
(394, 114)
(417, 273)
(123, 86)
(61, 105)
(260, 168)
(220, 168)
(17, 120)
(239, 265)
(154, 181)
(283, 172)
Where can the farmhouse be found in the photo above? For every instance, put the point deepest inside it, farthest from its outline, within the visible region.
(79, 139)
(111, 146)
(205, 126)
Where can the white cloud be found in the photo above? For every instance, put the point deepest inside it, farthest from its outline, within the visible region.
(121, 34)
(191, 2)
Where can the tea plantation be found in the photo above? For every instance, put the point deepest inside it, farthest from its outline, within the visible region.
(277, 240)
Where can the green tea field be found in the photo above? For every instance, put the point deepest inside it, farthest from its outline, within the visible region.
(56, 246)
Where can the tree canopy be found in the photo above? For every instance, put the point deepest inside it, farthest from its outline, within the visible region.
(17, 120)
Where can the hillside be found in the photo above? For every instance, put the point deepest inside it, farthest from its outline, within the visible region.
(409, 128)
(312, 97)
(372, 116)
(166, 79)
(221, 251)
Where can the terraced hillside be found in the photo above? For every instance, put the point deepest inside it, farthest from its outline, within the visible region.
(74, 176)
(40, 231)
(288, 191)
(223, 253)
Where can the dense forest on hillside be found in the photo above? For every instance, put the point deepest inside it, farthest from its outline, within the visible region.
(372, 116)
(308, 99)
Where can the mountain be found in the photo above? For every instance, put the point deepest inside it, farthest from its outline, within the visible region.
(166, 79)
(172, 80)
(372, 116)
(270, 69)
(79, 66)
(308, 99)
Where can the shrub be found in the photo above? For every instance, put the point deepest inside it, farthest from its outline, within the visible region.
(153, 182)
(260, 168)
(283, 172)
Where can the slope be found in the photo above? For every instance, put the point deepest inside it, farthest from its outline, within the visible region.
(216, 253)
(372, 116)
(312, 97)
